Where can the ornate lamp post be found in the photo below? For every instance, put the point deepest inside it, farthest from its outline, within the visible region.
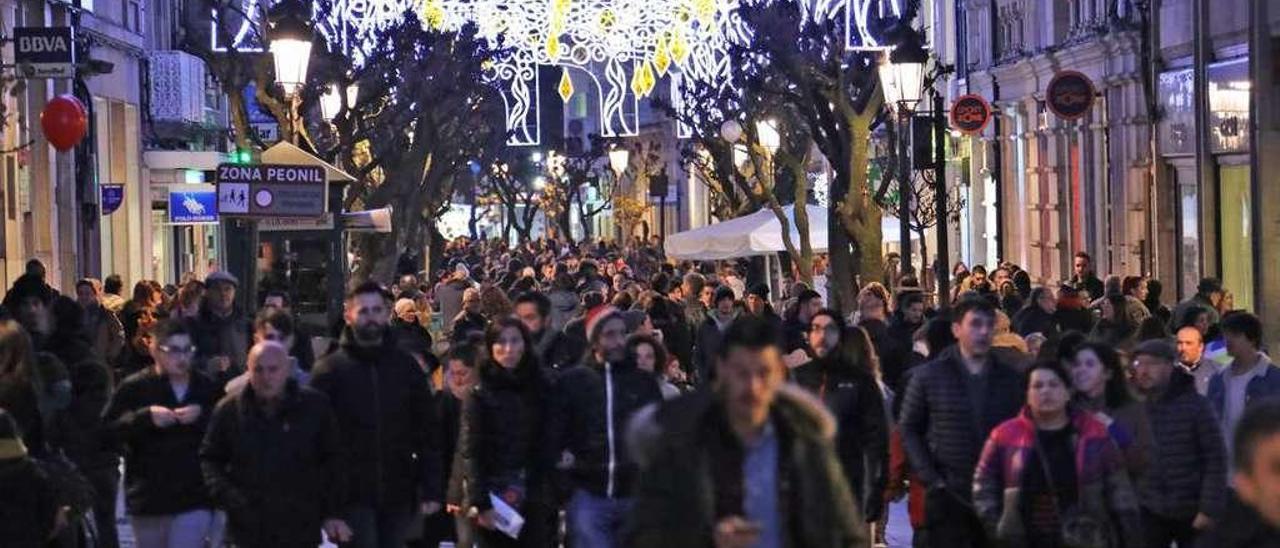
(902, 77)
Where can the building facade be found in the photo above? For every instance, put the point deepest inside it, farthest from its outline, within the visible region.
(1156, 179)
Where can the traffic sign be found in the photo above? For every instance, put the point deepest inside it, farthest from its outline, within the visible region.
(45, 52)
(271, 190)
(1070, 94)
(970, 114)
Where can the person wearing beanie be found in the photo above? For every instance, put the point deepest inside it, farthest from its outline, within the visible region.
(723, 311)
(1185, 486)
(220, 331)
(28, 509)
(590, 409)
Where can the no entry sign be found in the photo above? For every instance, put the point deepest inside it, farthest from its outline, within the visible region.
(271, 190)
(1070, 94)
(970, 114)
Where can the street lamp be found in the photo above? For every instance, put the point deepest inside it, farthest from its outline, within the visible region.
(902, 78)
(731, 131)
(767, 133)
(290, 44)
(902, 73)
(619, 159)
(331, 103)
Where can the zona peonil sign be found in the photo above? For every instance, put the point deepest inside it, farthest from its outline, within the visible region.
(271, 190)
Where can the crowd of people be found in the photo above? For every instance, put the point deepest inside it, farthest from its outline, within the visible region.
(600, 395)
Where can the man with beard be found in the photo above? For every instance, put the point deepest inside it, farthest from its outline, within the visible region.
(384, 407)
(748, 462)
(590, 408)
(837, 376)
(550, 346)
(1185, 486)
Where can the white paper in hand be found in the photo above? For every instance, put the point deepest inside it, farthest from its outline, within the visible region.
(506, 518)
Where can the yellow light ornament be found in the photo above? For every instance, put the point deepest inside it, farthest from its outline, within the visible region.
(566, 85)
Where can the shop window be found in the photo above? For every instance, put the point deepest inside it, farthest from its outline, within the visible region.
(1189, 235)
(1235, 206)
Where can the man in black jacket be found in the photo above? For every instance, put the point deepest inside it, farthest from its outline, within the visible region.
(271, 458)
(384, 408)
(220, 331)
(551, 346)
(747, 463)
(590, 407)
(1184, 488)
(851, 394)
(951, 405)
(908, 318)
(160, 415)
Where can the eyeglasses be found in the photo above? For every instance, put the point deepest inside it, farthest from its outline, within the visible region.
(177, 350)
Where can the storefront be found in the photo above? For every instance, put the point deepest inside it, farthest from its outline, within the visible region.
(183, 242)
(1214, 216)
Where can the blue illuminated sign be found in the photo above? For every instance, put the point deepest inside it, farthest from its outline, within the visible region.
(193, 205)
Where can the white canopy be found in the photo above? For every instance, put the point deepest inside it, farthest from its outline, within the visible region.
(759, 233)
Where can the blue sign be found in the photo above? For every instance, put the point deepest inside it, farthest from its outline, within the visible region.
(112, 197)
(194, 205)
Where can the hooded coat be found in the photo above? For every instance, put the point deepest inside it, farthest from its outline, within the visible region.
(691, 475)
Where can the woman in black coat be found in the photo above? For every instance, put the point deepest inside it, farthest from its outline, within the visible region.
(502, 450)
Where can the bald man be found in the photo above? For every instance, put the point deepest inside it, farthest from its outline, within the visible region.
(272, 458)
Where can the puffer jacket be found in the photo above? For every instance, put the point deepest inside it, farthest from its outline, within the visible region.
(1104, 495)
(279, 477)
(590, 409)
(942, 436)
(1187, 472)
(162, 466)
(385, 416)
(500, 442)
(862, 435)
(691, 475)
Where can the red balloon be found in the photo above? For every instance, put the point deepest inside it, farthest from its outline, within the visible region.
(65, 122)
